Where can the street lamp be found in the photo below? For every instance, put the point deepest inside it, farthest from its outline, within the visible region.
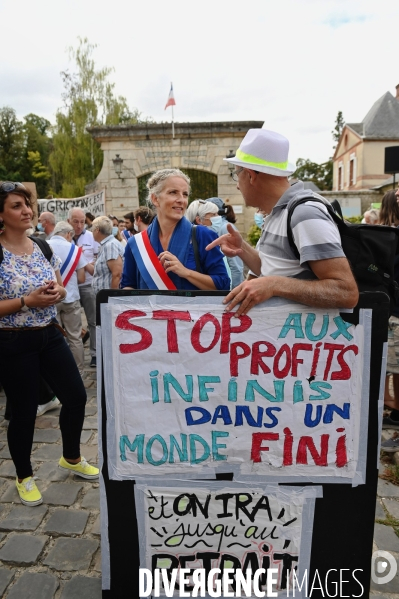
(118, 161)
(230, 166)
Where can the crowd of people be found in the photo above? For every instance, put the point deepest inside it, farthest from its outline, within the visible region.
(47, 279)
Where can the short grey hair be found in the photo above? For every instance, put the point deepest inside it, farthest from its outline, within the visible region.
(156, 182)
(103, 224)
(62, 227)
(71, 211)
(374, 216)
(49, 216)
(200, 208)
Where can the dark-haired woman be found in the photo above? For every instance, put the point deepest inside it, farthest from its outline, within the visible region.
(31, 345)
(389, 211)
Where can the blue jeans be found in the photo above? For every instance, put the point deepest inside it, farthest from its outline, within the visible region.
(25, 356)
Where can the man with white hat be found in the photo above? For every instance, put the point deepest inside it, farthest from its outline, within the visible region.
(322, 276)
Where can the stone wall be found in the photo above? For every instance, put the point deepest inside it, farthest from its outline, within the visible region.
(149, 147)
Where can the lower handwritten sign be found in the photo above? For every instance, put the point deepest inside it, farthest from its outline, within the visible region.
(211, 526)
(276, 392)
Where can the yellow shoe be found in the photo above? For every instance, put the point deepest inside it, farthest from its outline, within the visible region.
(29, 494)
(82, 468)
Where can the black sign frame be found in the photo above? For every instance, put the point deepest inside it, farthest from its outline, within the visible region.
(343, 526)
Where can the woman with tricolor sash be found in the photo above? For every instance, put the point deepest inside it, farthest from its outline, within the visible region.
(170, 254)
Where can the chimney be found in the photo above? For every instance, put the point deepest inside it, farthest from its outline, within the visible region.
(397, 92)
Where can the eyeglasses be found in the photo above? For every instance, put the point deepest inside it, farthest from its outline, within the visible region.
(234, 175)
(8, 186)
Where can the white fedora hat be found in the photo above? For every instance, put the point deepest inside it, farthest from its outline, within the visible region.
(264, 151)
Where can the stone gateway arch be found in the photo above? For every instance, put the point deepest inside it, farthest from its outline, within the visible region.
(133, 152)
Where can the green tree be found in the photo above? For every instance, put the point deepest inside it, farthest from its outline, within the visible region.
(89, 100)
(319, 174)
(37, 152)
(338, 128)
(11, 145)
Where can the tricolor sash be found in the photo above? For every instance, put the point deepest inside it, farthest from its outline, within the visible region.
(70, 264)
(148, 263)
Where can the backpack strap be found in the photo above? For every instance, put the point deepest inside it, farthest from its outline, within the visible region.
(44, 246)
(337, 220)
(195, 248)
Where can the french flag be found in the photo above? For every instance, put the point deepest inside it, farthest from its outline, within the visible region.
(171, 98)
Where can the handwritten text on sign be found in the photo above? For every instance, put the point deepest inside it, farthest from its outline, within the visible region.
(93, 203)
(230, 528)
(274, 391)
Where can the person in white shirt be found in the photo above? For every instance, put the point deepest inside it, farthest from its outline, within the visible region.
(72, 272)
(90, 248)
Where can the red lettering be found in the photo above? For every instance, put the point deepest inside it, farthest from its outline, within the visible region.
(341, 458)
(123, 322)
(315, 362)
(287, 449)
(297, 347)
(345, 373)
(280, 374)
(320, 459)
(227, 329)
(171, 334)
(235, 356)
(257, 447)
(331, 347)
(197, 329)
(257, 355)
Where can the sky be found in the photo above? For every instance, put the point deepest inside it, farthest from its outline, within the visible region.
(292, 64)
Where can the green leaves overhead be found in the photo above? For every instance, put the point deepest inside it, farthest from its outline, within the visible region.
(63, 158)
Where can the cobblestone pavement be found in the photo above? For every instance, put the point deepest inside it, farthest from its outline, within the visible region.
(53, 551)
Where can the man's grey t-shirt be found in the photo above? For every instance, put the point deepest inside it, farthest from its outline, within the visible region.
(315, 234)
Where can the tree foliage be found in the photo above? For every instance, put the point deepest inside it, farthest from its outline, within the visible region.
(319, 174)
(24, 148)
(89, 100)
(338, 128)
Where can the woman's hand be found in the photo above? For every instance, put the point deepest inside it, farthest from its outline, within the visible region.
(47, 295)
(172, 264)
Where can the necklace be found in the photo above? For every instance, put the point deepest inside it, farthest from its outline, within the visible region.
(16, 251)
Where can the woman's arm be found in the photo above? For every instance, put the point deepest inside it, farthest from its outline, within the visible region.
(173, 264)
(129, 275)
(115, 267)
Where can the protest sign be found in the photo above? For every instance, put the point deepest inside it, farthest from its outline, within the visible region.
(191, 389)
(204, 526)
(94, 203)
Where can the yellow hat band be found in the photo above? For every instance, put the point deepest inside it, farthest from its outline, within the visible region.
(254, 160)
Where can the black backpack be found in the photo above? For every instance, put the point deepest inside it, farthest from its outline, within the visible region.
(43, 245)
(370, 249)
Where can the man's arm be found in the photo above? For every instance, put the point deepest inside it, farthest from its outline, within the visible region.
(232, 244)
(335, 288)
(81, 275)
(115, 266)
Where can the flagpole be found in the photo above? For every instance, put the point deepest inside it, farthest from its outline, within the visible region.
(173, 125)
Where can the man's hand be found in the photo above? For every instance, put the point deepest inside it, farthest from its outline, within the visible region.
(335, 287)
(248, 294)
(230, 243)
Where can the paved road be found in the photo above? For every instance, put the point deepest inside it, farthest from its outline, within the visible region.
(53, 551)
